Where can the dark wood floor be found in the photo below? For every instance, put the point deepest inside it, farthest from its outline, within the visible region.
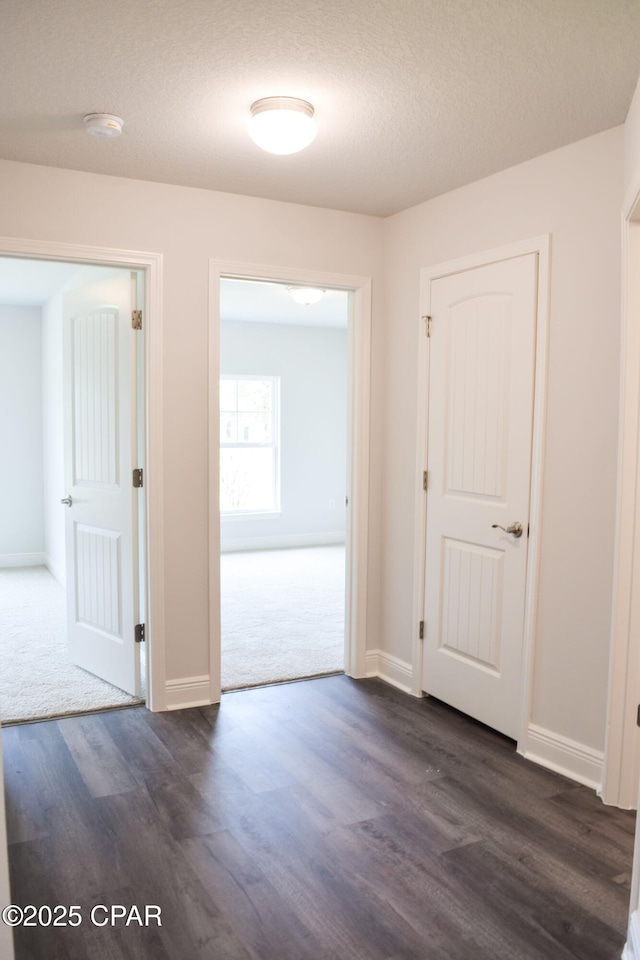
(325, 820)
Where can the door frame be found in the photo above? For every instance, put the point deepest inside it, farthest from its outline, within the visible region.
(621, 769)
(542, 247)
(150, 264)
(358, 392)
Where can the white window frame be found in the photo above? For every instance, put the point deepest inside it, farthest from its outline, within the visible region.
(275, 445)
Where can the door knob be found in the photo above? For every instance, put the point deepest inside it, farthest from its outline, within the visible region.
(515, 529)
(67, 500)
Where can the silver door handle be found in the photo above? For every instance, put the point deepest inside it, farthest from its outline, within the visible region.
(67, 500)
(515, 529)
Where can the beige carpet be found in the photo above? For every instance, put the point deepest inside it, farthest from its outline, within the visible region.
(37, 680)
(282, 615)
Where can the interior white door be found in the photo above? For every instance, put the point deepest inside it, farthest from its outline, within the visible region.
(481, 382)
(100, 444)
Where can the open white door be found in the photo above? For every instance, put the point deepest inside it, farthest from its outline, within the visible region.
(481, 382)
(100, 445)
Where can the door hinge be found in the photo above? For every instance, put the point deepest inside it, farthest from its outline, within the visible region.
(136, 319)
(425, 480)
(139, 633)
(421, 633)
(137, 477)
(427, 324)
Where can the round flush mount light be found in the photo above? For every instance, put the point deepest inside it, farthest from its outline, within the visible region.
(103, 125)
(282, 124)
(306, 295)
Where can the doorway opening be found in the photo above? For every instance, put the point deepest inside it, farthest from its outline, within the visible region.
(349, 589)
(283, 481)
(72, 537)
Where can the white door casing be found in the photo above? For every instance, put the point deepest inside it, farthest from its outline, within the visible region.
(100, 446)
(481, 390)
(359, 390)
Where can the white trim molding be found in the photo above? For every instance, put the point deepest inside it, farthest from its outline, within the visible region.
(632, 946)
(359, 388)
(187, 692)
(563, 755)
(242, 544)
(151, 264)
(622, 751)
(542, 247)
(23, 560)
(391, 669)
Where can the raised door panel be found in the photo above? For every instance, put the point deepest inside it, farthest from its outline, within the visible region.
(470, 624)
(95, 436)
(478, 348)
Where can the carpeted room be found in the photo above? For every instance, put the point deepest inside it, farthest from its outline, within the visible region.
(283, 480)
(39, 677)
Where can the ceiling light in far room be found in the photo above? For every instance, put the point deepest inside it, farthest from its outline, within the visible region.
(282, 124)
(103, 125)
(306, 295)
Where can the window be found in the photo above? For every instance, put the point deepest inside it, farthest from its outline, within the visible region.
(249, 445)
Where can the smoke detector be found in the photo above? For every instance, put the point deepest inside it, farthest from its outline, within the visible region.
(103, 125)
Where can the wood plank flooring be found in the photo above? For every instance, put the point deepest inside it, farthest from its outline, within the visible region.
(324, 820)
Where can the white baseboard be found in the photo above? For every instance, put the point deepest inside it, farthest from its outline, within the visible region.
(188, 692)
(565, 756)
(241, 544)
(632, 946)
(390, 669)
(22, 559)
(58, 572)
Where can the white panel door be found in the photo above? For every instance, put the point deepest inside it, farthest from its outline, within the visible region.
(100, 444)
(481, 380)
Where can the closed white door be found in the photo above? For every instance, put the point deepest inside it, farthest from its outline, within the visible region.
(481, 382)
(100, 444)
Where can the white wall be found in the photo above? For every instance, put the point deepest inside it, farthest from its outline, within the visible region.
(574, 194)
(312, 365)
(52, 437)
(21, 501)
(188, 226)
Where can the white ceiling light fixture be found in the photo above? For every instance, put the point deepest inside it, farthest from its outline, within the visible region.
(306, 295)
(282, 124)
(103, 125)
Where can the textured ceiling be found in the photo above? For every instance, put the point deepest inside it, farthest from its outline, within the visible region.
(412, 97)
(31, 282)
(263, 302)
